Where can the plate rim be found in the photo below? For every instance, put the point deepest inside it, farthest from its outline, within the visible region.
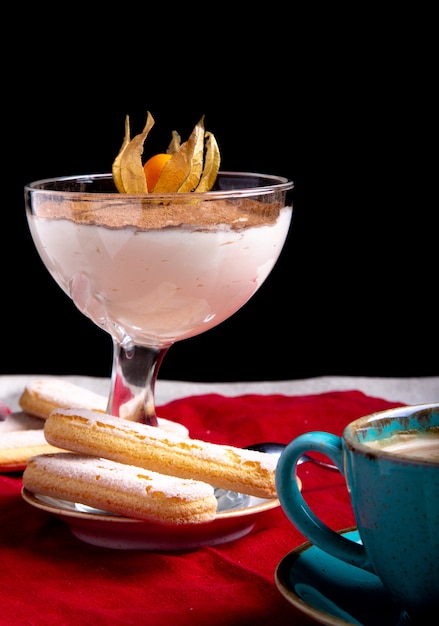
(32, 498)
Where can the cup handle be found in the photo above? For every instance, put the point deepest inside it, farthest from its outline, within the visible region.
(296, 508)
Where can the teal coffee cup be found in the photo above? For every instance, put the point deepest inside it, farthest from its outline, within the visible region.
(390, 461)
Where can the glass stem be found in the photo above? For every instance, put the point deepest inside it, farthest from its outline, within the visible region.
(134, 373)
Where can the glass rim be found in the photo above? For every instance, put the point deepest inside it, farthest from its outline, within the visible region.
(275, 183)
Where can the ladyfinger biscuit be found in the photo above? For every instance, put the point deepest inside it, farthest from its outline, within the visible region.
(20, 421)
(123, 489)
(41, 397)
(102, 435)
(17, 447)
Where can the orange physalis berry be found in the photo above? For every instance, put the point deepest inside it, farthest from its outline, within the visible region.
(153, 168)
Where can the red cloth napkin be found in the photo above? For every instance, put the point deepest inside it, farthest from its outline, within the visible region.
(47, 576)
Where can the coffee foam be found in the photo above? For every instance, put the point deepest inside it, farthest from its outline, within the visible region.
(422, 445)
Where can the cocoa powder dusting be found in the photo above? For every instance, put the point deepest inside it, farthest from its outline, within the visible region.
(120, 212)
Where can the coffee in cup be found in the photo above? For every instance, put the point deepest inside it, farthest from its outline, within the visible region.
(390, 461)
(423, 446)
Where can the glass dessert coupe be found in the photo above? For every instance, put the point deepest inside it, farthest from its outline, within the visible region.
(153, 269)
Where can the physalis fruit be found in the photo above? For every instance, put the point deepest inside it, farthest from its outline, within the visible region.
(185, 167)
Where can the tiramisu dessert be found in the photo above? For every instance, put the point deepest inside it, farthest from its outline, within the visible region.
(161, 271)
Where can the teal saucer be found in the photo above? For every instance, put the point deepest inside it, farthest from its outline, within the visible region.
(332, 592)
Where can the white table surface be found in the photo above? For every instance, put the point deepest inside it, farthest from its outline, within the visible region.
(406, 390)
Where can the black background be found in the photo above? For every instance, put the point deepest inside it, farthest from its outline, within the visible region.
(343, 104)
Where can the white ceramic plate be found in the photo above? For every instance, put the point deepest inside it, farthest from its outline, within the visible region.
(109, 530)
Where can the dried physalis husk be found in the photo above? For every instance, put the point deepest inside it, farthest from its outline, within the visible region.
(211, 164)
(193, 166)
(128, 173)
(183, 170)
(175, 143)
